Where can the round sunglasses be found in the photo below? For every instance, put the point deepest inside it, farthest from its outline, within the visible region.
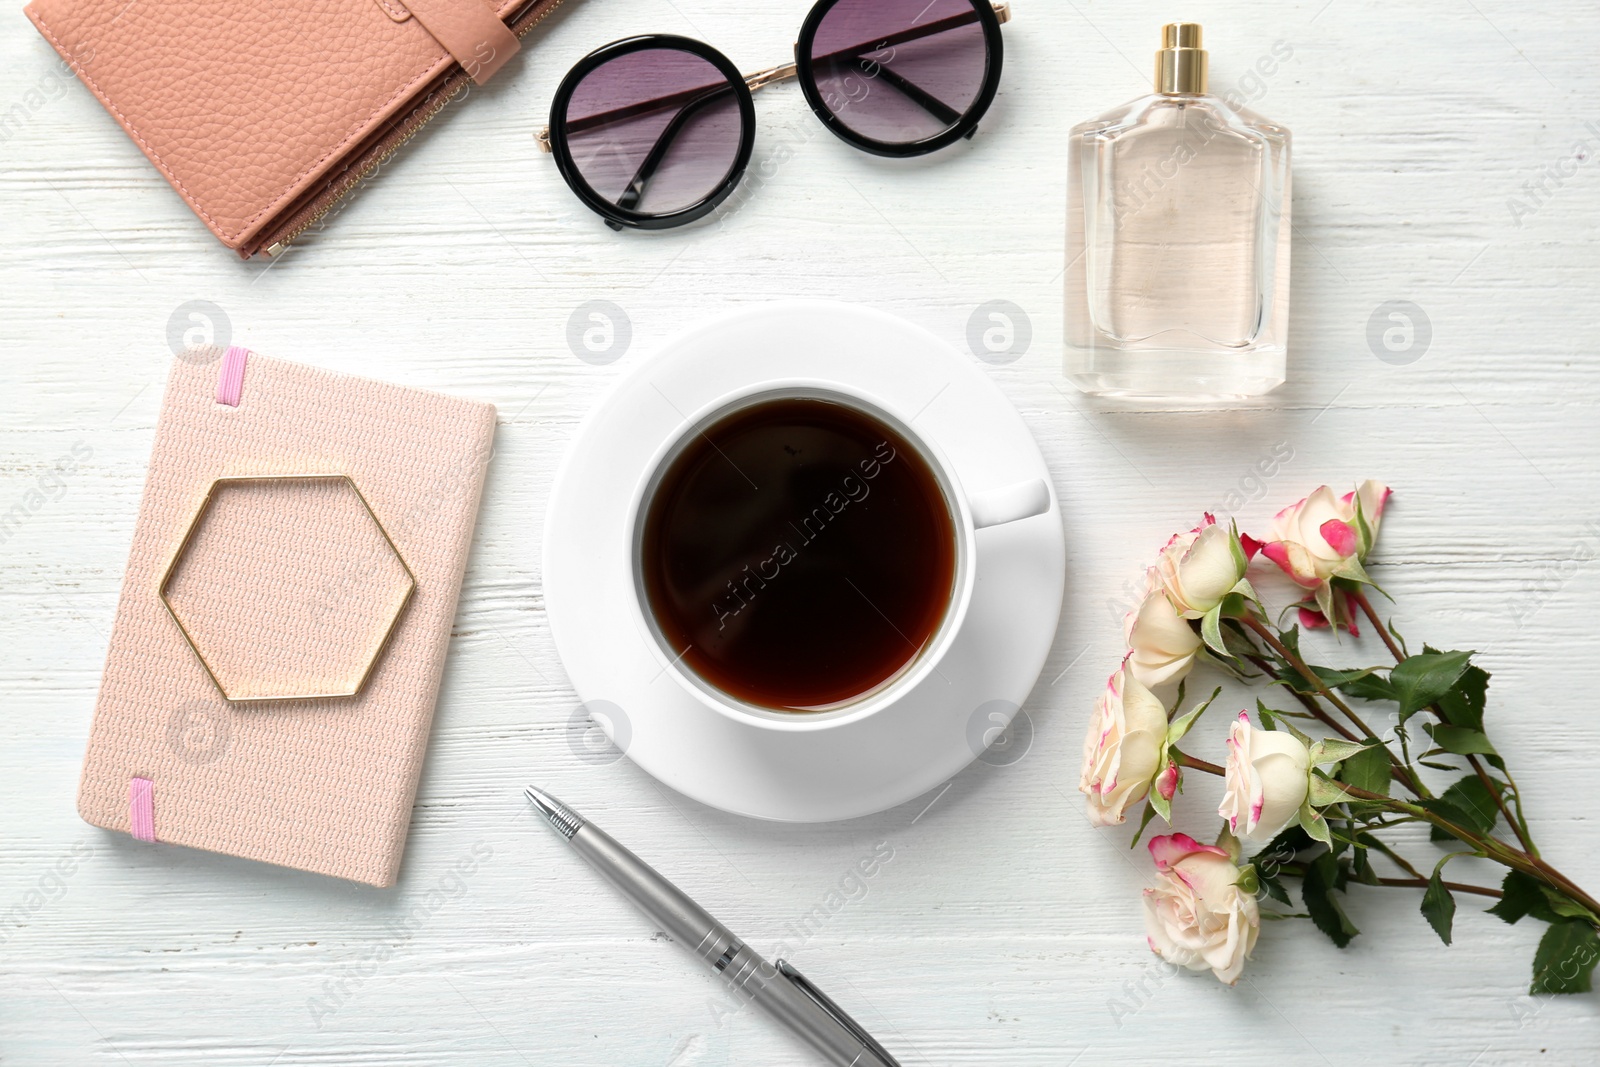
(656, 131)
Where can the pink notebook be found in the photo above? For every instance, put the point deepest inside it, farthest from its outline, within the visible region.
(302, 533)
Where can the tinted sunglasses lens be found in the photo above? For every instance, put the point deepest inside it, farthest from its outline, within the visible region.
(654, 131)
(900, 71)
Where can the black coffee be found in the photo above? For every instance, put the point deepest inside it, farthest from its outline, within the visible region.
(798, 554)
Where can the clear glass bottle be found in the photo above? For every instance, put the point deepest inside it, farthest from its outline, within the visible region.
(1177, 279)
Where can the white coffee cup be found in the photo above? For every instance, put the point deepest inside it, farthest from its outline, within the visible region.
(968, 512)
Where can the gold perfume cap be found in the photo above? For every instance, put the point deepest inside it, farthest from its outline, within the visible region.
(1181, 65)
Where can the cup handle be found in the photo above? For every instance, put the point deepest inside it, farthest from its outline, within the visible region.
(1010, 503)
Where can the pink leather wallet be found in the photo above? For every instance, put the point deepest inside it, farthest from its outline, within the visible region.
(263, 116)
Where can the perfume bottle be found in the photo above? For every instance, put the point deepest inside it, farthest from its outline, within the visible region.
(1177, 279)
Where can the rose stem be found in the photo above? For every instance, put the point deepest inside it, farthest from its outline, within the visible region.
(1306, 702)
(1395, 857)
(1398, 770)
(1422, 883)
(1518, 826)
(1409, 883)
(1183, 759)
(1491, 847)
(1310, 676)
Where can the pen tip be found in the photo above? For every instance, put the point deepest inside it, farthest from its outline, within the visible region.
(566, 821)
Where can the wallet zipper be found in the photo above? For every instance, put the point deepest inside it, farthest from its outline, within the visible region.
(280, 242)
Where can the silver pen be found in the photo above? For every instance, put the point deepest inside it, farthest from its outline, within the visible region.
(777, 987)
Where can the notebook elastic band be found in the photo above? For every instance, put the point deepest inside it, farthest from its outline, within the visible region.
(230, 383)
(142, 809)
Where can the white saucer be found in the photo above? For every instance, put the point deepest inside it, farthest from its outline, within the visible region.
(863, 765)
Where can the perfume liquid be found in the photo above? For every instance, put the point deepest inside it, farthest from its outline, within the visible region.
(1178, 225)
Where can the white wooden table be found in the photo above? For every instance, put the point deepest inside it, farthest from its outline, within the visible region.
(1005, 930)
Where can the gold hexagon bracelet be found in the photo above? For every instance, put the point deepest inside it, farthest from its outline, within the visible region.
(265, 599)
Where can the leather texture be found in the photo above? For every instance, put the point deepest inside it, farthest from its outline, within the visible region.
(249, 110)
(472, 31)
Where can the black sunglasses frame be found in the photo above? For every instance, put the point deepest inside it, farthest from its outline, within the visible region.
(616, 216)
(964, 126)
(555, 138)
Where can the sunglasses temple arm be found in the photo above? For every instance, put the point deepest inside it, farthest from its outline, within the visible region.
(920, 96)
(658, 152)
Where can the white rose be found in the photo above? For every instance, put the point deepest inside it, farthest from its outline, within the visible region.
(1196, 916)
(1161, 644)
(1268, 776)
(1197, 569)
(1312, 539)
(1122, 749)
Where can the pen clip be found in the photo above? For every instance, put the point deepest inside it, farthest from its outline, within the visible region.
(838, 1014)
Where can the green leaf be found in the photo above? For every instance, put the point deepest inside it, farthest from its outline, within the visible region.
(1241, 562)
(1352, 570)
(1461, 740)
(1446, 809)
(1565, 958)
(1368, 686)
(1394, 631)
(1365, 683)
(1566, 907)
(1313, 823)
(1474, 807)
(1271, 715)
(1329, 676)
(1248, 881)
(1325, 792)
(1181, 725)
(1160, 805)
(1463, 705)
(1275, 720)
(1324, 599)
(1367, 769)
(1211, 631)
(1238, 645)
(1229, 843)
(1244, 589)
(1175, 731)
(1438, 905)
(1335, 679)
(1330, 750)
(1361, 862)
(1317, 887)
(1421, 680)
(1273, 887)
(1290, 842)
(1363, 530)
(1149, 813)
(1522, 894)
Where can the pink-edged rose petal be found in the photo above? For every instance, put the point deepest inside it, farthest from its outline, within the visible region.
(1312, 619)
(1341, 536)
(1293, 561)
(1170, 848)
